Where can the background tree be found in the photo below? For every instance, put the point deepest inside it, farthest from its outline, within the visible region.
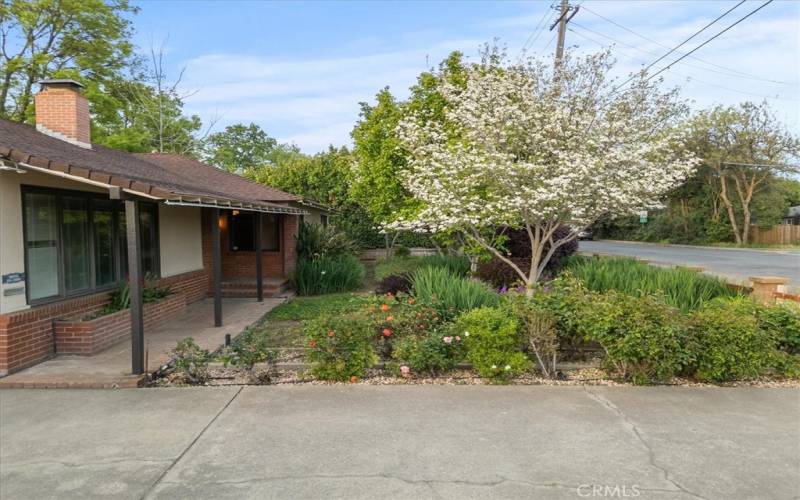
(525, 146)
(746, 150)
(53, 38)
(240, 148)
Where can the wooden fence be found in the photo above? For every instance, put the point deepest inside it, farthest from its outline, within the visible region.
(785, 234)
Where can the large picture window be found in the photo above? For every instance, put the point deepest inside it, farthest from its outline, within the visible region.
(242, 227)
(75, 242)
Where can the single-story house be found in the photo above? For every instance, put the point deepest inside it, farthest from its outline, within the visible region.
(78, 219)
(792, 216)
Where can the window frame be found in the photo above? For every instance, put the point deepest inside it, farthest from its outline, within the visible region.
(117, 210)
(278, 231)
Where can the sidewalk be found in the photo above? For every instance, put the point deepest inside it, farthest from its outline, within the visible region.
(403, 442)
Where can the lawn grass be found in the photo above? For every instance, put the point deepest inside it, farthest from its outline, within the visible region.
(303, 308)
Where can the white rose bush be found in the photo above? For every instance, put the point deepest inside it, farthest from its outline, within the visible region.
(525, 146)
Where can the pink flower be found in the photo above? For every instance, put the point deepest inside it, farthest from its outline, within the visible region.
(405, 370)
(447, 340)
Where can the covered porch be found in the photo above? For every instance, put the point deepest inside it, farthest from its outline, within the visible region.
(112, 367)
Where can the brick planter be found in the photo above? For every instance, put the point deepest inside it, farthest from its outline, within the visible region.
(92, 336)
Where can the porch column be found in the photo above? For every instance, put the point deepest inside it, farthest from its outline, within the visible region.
(216, 265)
(135, 285)
(259, 273)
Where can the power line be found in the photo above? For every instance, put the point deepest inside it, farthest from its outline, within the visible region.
(538, 30)
(615, 40)
(643, 37)
(683, 42)
(665, 68)
(689, 77)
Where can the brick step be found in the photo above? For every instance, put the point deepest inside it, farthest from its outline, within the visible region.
(248, 285)
(248, 290)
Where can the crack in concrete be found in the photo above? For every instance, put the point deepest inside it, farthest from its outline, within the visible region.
(640, 436)
(197, 438)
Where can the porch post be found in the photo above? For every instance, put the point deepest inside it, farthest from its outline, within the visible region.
(135, 285)
(216, 257)
(259, 273)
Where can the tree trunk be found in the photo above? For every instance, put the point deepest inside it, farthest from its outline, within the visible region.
(723, 194)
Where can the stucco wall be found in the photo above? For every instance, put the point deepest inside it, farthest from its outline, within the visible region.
(12, 252)
(180, 239)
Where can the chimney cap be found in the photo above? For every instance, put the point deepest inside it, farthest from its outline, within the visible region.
(60, 83)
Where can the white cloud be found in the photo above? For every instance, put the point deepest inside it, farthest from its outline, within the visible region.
(314, 102)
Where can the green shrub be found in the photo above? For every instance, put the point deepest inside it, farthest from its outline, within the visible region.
(191, 361)
(730, 343)
(249, 348)
(434, 353)
(783, 320)
(563, 297)
(450, 293)
(315, 241)
(493, 341)
(340, 347)
(457, 264)
(643, 338)
(682, 288)
(327, 275)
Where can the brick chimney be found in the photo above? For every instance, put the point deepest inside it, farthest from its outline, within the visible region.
(63, 112)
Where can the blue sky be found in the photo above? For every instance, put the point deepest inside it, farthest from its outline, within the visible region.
(299, 69)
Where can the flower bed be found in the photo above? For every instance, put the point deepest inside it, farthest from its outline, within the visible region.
(90, 336)
(451, 328)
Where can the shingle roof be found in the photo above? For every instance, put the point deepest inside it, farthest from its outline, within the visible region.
(161, 176)
(210, 176)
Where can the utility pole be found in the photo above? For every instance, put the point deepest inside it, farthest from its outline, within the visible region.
(562, 21)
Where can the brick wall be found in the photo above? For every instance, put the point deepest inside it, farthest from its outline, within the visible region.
(65, 111)
(91, 337)
(27, 337)
(243, 264)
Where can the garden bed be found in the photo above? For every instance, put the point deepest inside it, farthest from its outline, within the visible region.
(92, 335)
(616, 322)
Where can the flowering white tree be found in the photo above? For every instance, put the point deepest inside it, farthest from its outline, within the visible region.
(526, 146)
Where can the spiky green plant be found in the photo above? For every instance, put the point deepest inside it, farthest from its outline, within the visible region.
(450, 293)
(681, 288)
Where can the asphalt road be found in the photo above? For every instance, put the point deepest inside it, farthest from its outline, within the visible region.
(406, 442)
(737, 264)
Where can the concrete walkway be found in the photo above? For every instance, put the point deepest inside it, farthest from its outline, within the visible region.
(402, 442)
(112, 367)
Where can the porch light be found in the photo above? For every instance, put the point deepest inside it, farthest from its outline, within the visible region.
(235, 213)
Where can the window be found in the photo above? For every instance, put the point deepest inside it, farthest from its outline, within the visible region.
(75, 242)
(242, 227)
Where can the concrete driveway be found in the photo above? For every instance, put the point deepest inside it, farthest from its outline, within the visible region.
(737, 264)
(401, 442)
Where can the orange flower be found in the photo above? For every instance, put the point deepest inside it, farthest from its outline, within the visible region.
(353, 379)
(331, 333)
(385, 307)
(312, 344)
(410, 300)
(387, 332)
(389, 319)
